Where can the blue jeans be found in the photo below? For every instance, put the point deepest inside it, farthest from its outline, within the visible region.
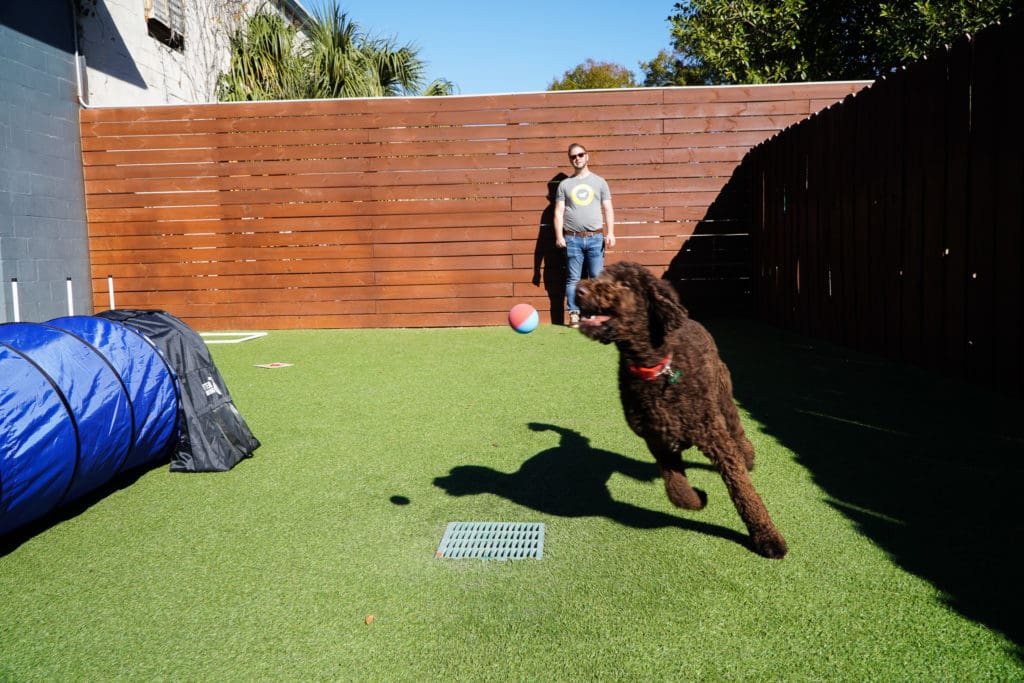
(577, 251)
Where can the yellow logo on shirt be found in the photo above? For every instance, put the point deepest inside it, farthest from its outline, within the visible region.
(582, 194)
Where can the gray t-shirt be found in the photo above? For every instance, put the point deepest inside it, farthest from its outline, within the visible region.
(583, 197)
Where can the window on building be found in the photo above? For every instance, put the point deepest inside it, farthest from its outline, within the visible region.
(166, 22)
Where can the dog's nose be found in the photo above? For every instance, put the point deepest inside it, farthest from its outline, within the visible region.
(581, 289)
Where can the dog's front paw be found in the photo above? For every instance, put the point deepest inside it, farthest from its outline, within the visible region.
(770, 544)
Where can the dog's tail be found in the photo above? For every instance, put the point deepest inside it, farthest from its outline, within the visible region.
(732, 416)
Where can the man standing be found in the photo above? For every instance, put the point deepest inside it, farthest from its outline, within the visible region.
(580, 201)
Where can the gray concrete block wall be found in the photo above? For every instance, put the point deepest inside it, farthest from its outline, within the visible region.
(43, 234)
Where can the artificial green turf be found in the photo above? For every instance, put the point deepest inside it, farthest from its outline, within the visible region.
(892, 487)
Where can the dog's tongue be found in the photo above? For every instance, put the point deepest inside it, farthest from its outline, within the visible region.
(594, 320)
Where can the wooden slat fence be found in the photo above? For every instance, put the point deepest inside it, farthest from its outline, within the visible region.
(893, 222)
(408, 212)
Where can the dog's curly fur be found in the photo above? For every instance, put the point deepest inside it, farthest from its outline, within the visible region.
(689, 404)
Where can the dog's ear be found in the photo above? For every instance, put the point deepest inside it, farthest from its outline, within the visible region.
(665, 313)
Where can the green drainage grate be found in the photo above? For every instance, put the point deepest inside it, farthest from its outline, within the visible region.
(492, 541)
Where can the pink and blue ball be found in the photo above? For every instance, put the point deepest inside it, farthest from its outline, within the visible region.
(523, 318)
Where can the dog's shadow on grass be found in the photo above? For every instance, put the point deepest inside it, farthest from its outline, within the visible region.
(571, 480)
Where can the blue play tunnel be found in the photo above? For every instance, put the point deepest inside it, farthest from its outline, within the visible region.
(85, 398)
(81, 399)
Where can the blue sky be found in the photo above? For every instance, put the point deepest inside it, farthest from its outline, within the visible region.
(516, 46)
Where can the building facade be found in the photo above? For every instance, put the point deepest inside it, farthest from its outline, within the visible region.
(57, 56)
(43, 239)
(150, 52)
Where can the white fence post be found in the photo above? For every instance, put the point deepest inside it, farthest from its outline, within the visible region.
(14, 298)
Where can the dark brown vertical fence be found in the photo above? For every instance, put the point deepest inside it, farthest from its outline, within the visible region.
(892, 221)
(409, 211)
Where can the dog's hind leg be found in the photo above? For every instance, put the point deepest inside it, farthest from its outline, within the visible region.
(677, 486)
(764, 537)
(732, 420)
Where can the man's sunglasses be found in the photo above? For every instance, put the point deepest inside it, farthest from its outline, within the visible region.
(578, 156)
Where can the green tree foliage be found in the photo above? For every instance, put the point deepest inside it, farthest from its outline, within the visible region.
(772, 41)
(266, 62)
(668, 69)
(272, 60)
(592, 75)
(912, 29)
(439, 87)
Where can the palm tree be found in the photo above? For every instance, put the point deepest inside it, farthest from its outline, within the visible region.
(271, 60)
(266, 62)
(439, 88)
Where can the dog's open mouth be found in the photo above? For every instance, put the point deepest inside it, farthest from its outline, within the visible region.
(594, 320)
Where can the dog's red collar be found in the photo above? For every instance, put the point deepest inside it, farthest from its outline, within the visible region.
(662, 368)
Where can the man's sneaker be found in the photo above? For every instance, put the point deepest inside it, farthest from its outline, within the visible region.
(574, 318)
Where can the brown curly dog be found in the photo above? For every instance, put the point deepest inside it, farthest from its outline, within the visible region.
(676, 392)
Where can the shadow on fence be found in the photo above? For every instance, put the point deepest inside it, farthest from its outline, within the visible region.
(712, 271)
(893, 221)
(549, 265)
